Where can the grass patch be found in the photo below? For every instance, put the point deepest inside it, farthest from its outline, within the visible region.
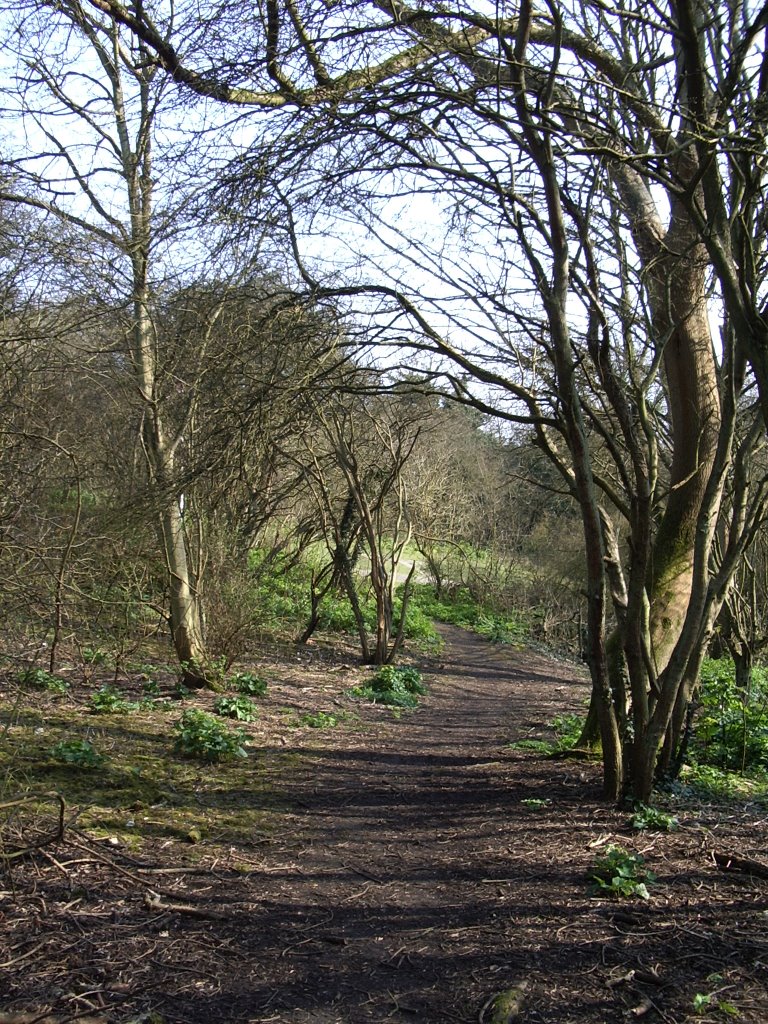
(567, 729)
(140, 791)
(460, 608)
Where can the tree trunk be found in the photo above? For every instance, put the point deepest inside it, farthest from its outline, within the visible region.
(186, 626)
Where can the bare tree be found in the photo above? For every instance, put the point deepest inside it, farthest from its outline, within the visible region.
(354, 467)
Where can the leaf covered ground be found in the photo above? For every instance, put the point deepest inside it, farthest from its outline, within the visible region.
(361, 864)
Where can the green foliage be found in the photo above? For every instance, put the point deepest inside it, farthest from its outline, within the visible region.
(78, 753)
(280, 590)
(241, 708)
(621, 874)
(567, 729)
(109, 701)
(704, 1001)
(214, 669)
(203, 737)
(39, 679)
(319, 719)
(336, 615)
(715, 784)
(653, 820)
(732, 723)
(536, 803)
(501, 629)
(537, 746)
(418, 624)
(94, 656)
(460, 608)
(247, 683)
(398, 686)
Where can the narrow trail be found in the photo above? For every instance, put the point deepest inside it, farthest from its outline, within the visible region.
(404, 883)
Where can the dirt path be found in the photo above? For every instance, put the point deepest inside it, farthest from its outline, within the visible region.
(410, 879)
(408, 887)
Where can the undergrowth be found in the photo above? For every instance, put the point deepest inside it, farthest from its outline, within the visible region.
(567, 729)
(460, 608)
(620, 874)
(396, 686)
(732, 722)
(204, 738)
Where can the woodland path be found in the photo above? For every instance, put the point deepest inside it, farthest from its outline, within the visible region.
(409, 879)
(412, 874)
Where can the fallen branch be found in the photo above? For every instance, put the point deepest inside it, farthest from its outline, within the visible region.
(153, 902)
(728, 862)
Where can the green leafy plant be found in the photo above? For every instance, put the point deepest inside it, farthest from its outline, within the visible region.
(715, 784)
(703, 1001)
(537, 746)
(654, 820)
(109, 701)
(39, 679)
(621, 874)
(79, 753)
(279, 592)
(461, 608)
(501, 629)
(535, 803)
(241, 708)
(205, 738)
(732, 723)
(398, 686)
(94, 656)
(150, 688)
(319, 719)
(247, 683)
(567, 730)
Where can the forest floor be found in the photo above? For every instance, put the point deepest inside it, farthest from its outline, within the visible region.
(395, 868)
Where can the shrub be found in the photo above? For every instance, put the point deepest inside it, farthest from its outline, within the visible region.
(393, 685)
(39, 679)
(241, 708)
(205, 738)
(79, 753)
(621, 874)
(109, 701)
(248, 683)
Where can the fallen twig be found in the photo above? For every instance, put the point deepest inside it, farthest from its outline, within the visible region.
(153, 902)
(54, 838)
